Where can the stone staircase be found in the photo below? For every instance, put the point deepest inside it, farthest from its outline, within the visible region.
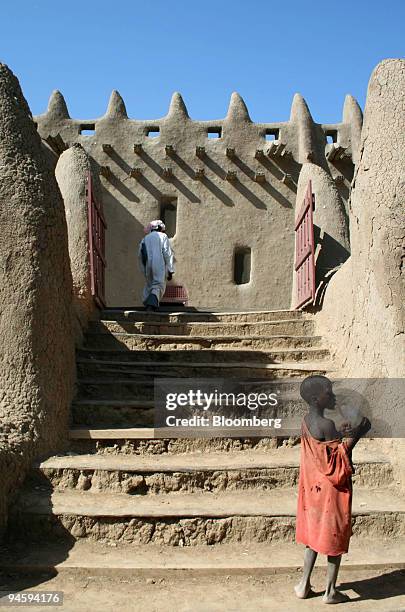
(121, 486)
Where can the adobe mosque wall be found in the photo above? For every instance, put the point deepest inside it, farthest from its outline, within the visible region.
(367, 335)
(235, 192)
(37, 367)
(363, 317)
(71, 171)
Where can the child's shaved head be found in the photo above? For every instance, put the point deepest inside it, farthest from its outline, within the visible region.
(313, 386)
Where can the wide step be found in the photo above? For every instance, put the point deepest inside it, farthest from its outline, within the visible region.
(215, 472)
(193, 518)
(142, 372)
(92, 558)
(126, 341)
(261, 328)
(138, 390)
(193, 316)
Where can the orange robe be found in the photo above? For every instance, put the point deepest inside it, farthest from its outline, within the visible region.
(324, 495)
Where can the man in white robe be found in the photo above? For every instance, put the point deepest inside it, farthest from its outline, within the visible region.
(156, 262)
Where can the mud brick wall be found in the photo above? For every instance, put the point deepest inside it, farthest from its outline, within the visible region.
(233, 183)
(36, 341)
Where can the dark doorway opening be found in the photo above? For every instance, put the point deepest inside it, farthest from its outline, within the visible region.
(168, 214)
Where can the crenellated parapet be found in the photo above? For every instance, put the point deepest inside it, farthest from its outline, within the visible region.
(300, 138)
(230, 176)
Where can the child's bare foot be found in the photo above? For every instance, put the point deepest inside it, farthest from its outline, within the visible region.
(335, 597)
(302, 590)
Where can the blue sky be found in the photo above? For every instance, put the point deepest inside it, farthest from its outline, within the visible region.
(265, 50)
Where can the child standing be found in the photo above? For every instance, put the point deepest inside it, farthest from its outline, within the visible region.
(325, 486)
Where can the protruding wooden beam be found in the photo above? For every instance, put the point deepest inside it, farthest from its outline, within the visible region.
(105, 171)
(231, 176)
(288, 180)
(260, 177)
(259, 154)
(56, 143)
(170, 150)
(275, 149)
(336, 153)
(138, 148)
(135, 172)
(272, 147)
(199, 174)
(230, 152)
(107, 148)
(167, 174)
(200, 152)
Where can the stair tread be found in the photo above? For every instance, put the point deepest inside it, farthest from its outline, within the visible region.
(182, 336)
(131, 433)
(275, 502)
(199, 312)
(309, 349)
(205, 325)
(114, 402)
(283, 365)
(239, 460)
(227, 558)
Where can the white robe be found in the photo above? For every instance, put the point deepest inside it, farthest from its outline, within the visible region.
(159, 263)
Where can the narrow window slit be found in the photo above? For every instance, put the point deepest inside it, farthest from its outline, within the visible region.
(87, 129)
(271, 134)
(214, 132)
(242, 265)
(331, 136)
(153, 132)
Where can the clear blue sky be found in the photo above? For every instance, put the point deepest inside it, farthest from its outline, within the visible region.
(266, 50)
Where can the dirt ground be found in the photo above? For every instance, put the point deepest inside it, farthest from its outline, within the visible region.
(186, 592)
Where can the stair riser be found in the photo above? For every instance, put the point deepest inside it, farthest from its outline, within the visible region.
(130, 389)
(202, 337)
(276, 342)
(107, 416)
(133, 377)
(196, 355)
(138, 343)
(190, 317)
(216, 481)
(175, 446)
(94, 375)
(188, 531)
(130, 415)
(291, 327)
(136, 483)
(117, 384)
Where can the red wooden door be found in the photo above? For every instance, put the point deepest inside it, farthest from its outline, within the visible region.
(96, 228)
(305, 252)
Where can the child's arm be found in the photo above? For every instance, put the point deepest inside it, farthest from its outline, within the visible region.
(354, 435)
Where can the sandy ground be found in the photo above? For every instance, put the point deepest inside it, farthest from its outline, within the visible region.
(369, 591)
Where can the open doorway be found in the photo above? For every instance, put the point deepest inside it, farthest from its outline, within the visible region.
(168, 214)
